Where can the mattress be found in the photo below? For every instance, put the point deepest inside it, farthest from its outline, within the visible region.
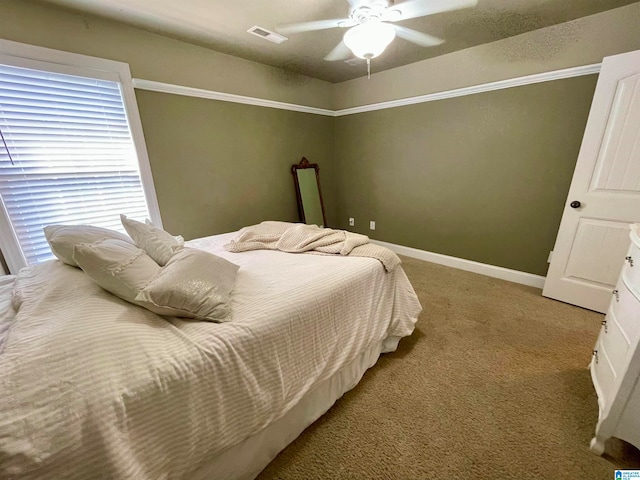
(91, 386)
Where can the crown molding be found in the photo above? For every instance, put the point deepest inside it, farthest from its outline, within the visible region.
(226, 97)
(485, 87)
(430, 97)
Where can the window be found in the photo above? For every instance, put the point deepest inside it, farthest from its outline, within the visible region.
(68, 153)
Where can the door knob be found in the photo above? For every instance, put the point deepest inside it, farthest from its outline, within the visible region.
(575, 204)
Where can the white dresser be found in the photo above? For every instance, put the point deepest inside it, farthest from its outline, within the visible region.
(615, 366)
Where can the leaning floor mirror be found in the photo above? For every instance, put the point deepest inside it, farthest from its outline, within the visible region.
(306, 177)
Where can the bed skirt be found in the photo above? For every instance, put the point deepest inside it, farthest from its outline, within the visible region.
(245, 460)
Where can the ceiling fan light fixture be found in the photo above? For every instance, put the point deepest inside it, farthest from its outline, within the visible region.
(369, 39)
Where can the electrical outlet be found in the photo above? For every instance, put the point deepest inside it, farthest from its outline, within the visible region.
(372, 225)
(352, 221)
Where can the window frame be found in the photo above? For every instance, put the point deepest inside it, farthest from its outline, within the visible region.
(46, 59)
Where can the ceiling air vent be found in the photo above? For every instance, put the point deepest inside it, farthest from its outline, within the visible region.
(266, 34)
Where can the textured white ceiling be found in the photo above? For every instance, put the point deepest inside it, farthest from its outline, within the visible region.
(222, 25)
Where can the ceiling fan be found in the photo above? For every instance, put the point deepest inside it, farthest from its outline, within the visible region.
(372, 26)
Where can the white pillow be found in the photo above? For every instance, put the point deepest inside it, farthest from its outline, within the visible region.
(179, 238)
(119, 267)
(62, 239)
(195, 284)
(158, 244)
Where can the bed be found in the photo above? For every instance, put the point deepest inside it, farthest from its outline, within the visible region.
(94, 387)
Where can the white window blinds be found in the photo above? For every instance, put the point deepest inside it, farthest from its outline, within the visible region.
(66, 155)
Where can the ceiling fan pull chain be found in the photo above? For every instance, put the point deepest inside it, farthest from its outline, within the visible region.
(368, 68)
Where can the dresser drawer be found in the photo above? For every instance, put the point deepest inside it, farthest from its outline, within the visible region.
(631, 269)
(615, 366)
(625, 306)
(603, 377)
(614, 344)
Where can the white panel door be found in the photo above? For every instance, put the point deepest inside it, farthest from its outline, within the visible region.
(604, 197)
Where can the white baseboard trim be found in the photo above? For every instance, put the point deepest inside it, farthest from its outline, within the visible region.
(516, 276)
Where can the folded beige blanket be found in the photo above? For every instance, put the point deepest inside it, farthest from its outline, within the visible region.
(299, 238)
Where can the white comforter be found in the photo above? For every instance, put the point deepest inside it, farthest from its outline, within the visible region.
(93, 387)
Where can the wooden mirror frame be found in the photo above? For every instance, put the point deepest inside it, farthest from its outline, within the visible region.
(304, 164)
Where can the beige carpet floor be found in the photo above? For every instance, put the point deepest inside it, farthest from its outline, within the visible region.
(493, 384)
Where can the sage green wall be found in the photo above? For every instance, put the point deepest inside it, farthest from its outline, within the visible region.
(482, 177)
(218, 166)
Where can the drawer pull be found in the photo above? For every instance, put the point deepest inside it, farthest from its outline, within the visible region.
(630, 260)
(595, 355)
(604, 324)
(617, 294)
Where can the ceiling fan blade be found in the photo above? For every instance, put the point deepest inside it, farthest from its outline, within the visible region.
(316, 25)
(421, 8)
(418, 38)
(340, 52)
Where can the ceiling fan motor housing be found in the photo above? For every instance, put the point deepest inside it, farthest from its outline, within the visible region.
(367, 10)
